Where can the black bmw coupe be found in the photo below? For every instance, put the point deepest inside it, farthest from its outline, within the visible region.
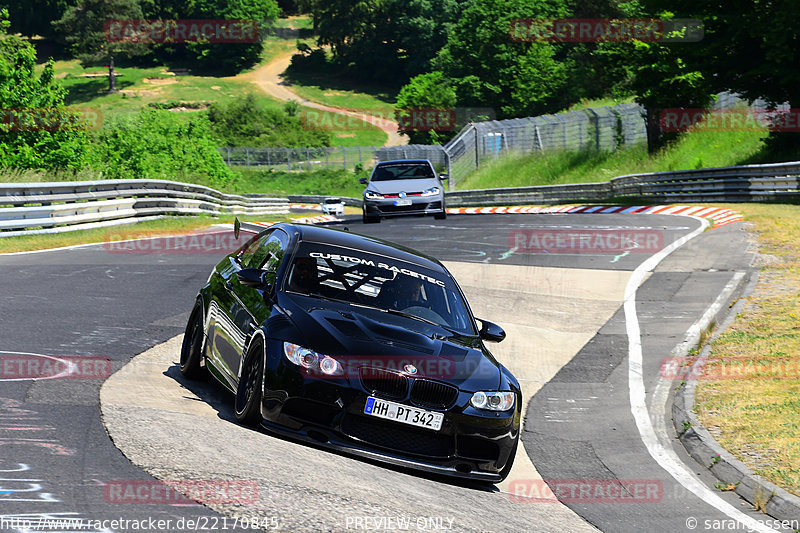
(359, 344)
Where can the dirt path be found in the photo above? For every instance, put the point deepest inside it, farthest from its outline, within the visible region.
(269, 78)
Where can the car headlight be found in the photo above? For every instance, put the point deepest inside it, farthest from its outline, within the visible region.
(431, 192)
(312, 360)
(492, 401)
(369, 195)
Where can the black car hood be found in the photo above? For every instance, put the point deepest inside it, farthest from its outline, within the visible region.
(365, 336)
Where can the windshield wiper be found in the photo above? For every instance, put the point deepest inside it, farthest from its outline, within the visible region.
(415, 317)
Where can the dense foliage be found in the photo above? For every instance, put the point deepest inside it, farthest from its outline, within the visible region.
(160, 145)
(80, 25)
(245, 122)
(36, 129)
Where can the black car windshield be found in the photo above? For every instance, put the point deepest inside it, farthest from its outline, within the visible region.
(401, 171)
(377, 281)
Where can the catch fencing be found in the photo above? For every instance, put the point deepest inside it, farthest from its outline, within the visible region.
(300, 159)
(599, 129)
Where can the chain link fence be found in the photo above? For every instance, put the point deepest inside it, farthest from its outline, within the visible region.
(597, 129)
(600, 129)
(300, 159)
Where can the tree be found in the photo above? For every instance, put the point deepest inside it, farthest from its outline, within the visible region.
(34, 17)
(83, 27)
(36, 129)
(490, 69)
(750, 47)
(385, 40)
(431, 94)
(230, 57)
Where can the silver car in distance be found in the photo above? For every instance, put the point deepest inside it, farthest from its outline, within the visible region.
(403, 187)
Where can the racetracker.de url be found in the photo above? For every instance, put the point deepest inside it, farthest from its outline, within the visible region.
(199, 523)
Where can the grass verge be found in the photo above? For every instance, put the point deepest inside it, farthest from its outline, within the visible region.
(165, 226)
(693, 150)
(333, 182)
(755, 412)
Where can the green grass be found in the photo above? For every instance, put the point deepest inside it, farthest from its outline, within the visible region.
(757, 415)
(693, 150)
(599, 102)
(327, 86)
(165, 226)
(326, 182)
(137, 87)
(334, 182)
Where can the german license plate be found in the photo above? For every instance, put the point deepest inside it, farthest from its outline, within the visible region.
(404, 201)
(404, 413)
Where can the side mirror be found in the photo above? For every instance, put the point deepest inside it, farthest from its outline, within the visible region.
(491, 331)
(363, 181)
(237, 227)
(256, 278)
(444, 176)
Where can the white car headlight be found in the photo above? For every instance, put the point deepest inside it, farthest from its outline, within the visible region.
(431, 192)
(492, 401)
(369, 195)
(312, 360)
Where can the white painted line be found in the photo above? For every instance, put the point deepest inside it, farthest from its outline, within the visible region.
(666, 459)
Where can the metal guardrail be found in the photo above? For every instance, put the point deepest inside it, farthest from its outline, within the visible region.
(27, 208)
(747, 183)
(66, 206)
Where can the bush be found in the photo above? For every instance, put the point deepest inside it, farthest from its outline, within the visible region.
(36, 130)
(160, 145)
(246, 122)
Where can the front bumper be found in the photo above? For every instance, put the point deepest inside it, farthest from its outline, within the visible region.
(471, 444)
(428, 205)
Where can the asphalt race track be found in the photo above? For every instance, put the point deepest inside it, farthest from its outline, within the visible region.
(562, 308)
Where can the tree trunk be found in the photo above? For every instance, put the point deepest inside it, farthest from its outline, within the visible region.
(112, 82)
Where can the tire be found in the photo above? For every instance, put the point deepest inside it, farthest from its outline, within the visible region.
(369, 220)
(192, 347)
(248, 392)
(440, 216)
